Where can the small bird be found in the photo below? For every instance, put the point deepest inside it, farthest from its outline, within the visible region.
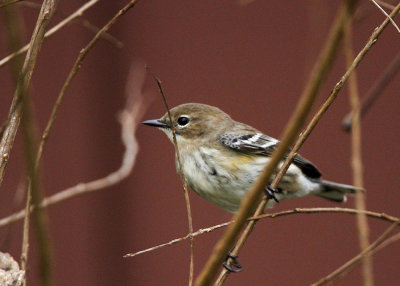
(221, 158)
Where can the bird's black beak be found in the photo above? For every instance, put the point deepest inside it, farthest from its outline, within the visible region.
(156, 123)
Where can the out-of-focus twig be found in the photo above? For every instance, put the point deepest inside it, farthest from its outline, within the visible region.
(21, 111)
(53, 30)
(15, 33)
(319, 73)
(4, 3)
(349, 264)
(384, 4)
(375, 91)
(183, 178)
(376, 215)
(356, 161)
(81, 21)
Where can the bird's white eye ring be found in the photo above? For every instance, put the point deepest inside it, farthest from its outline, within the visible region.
(183, 120)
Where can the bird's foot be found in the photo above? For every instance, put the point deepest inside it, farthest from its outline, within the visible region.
(234, 266)
(270, 193)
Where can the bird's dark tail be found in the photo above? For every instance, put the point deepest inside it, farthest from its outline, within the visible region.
(337, 192)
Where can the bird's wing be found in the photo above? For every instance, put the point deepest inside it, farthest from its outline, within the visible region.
(261, 144)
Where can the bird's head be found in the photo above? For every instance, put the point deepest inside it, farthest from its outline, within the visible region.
(193, 121)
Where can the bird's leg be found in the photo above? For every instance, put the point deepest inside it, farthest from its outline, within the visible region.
(235, 265)
(270, 193)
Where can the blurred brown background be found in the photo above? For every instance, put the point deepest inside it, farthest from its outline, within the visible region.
(251, 61)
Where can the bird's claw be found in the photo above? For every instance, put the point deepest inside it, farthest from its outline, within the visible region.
(234, 266)
(270, 193)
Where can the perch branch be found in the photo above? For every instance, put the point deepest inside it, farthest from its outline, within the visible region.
(375, 215)
(183, 179)
(319, 73)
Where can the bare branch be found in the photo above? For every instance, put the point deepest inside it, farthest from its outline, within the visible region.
(73, 72)
(59, 26)
(183, 179)
(21, 110)
(81, 21)
(356, 161)
(375, 215)
(321, 68)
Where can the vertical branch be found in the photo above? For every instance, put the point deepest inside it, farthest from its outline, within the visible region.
(21, 109)
(184, 181)
(356, 161)
(14, 117)
(15, 31)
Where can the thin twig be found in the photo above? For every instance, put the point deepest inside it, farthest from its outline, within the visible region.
(349, 264)
(375, 215)
(176, 240)
(387, 15)
(375, 91)
(79, 20)
(319, 73)
(182, 176)
(74, 70)
(56, 28)
(356, 161)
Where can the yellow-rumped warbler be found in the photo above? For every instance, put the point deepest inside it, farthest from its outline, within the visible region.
(221, 158)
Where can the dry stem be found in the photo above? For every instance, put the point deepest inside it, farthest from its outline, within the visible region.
(356, 162)
(79, 20)
(376, 215)
(56, 28)
(73, 72)
(183, 178)
(20, 105)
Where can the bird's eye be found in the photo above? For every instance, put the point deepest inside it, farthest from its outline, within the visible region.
(183, 121)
